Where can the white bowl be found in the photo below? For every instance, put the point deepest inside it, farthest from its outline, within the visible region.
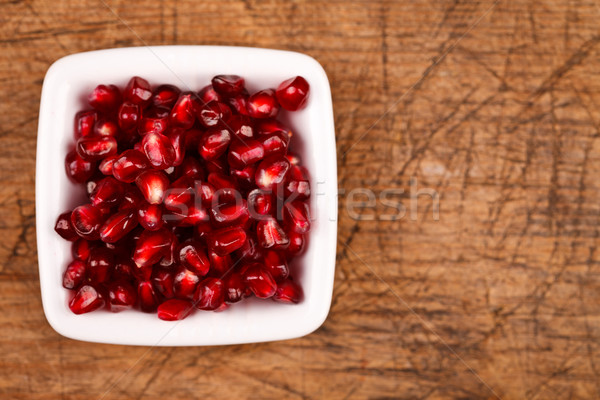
(66, 84)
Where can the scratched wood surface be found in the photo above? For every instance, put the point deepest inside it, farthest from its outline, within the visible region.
(493, 107)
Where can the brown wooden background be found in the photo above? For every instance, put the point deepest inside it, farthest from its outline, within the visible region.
(495, 107)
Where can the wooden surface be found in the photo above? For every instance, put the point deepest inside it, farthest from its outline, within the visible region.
(494, 107)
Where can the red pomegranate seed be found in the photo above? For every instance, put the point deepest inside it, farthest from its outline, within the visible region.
(124, 269)
(293, 93)
(87, 299)
(225, 241)
(106, 165)
(162, 280)
(128, 117)
(64, 227)
(78, 169)
(218, 165)
(208, 94)
(228, 85)
(260, 204)
(214, 143)
(178, 138)
(293, 158)
(105, 97)
(118, 225)
(239, 103)
(165, 96)
(153, 185)
(94, 148)
(245, 152)
(202, 229)
(275, 143)
(234, 287)
(210, 294)
(74, 275)
(288, 292)
(183, 112)
(170, 258)
(276, 265)
(107, 193)
(220, 265)
(138, 91)
(260, 281)
(244, 177)
(271, 172)
(84, 123)
(297, 185)
(192, 255)
(80, 249)
(263, 104)
(150, 216)
(132, 199)
(153, 124)
(152, 246)
(241, 127)
(213, 114)
(175, 309)
(185, 283)
(158, 150)
(121, 296)
(106, 127)
(86, 220)
(100, 264)
(194, 216)
(270, 126)
(191, 168)
(250, 251)
(229, 214)
(206, 192)
(296, 245)
(129, 165)
(180, 195)
(147, 296)
(296, 216)
(270, 234)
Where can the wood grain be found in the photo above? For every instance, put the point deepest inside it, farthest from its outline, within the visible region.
(497, 111)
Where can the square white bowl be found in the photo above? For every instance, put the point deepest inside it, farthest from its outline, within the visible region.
(66, 85)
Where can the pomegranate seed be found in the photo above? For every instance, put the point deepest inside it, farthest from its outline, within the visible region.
(218, 165)
(105, 97)
(270, 126)
(107, 193)
(152, 246)
(74, 275)
(86, 221)
(206, 191)
(214, 143)
(163, 282)
(147, 296)
(159, 150)
(129, 165)
(153, 125)
(260, 203)
(129, 117)
(293, 93)
(263, 104)
(297, 186)
(106, 127)
(270, 234)
(250, 251)
(121, 296)
(239, 104)
(275, 143)
(226, 240)
(296, 245)
(260, 281)
(276, 265)
(245, 177)
(165, 96)
(241, 127)
(94, 148)
(296, 216)
(138, 91)
(78, 169)
(178, 138)
(84, 123)
(182, 114)
(131, 199)
(293, 158)
(231, 214)
(174, 309)
(234, 288)
(180, 195)
(194, 215)
(288, 292)
(106, 165)
(124, 269)
(245, 152)
(228, 85)
(210, 294)
(119, 225)
(220, 265)
(185, 283)
(193, 256)
(191, 168)
(64, 227)
(80, 249)
(213, 114)
(100, 264)
(153, 185)
(170, 258)
(271, 172)
(208, 94)
(150, 216)
(87, 299)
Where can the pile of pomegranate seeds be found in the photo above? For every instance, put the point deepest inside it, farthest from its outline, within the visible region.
(194, 200)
